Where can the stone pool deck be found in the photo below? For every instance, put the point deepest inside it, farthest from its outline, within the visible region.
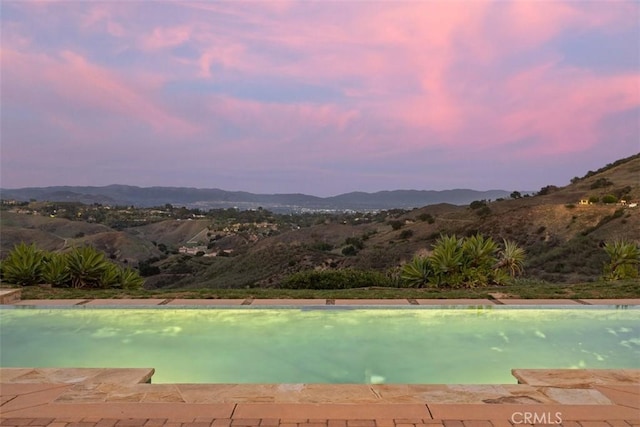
(125, 398)
(317, 302)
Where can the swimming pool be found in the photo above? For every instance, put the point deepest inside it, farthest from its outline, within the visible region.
(470, 345)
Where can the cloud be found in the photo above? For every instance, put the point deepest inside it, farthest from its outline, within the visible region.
(69, 82)
(165, 37)
(322, 86)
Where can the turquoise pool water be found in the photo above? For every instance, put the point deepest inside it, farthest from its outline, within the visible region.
(364, 345)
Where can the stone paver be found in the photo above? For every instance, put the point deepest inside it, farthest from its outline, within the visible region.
(10, 296)
(620, 301)
(517, 301)
(288, 302)
(371, 302)
(125, 302)
(452, 302)
(578, 378)
(206, 302)
(50, 302)
(335, 411)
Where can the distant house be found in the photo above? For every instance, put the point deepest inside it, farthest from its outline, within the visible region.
(633, 205)
(585, 202)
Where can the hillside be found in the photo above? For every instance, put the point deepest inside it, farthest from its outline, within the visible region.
(562, 237)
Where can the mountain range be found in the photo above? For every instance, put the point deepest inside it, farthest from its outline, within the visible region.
(217, 198)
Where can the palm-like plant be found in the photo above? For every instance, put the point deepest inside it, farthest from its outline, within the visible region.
(479, 252)
(446, 259)
(110, 277)
(130, 279)
(86, 266)
(417, 272)
(23, 266)
(55, 270)
(624, 258)
(511, 258)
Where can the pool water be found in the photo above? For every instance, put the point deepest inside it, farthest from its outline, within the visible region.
(366, 345)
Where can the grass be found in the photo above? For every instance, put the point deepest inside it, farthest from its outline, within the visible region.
(529, 289)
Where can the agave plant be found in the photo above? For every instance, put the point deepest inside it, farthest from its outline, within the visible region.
(55, 270)
(417, 272)
(511, 258)
(479, 252)
(446, 260)
(23, 266)
(86, 266)
(110, 277)
(130, 279)
(624, 258)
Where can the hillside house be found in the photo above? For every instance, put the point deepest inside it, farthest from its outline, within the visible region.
(584, 202)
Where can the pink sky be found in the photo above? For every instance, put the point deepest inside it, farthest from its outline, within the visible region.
(317, 97)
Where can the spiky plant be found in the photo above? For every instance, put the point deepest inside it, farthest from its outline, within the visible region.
(511, 258)
(23, 266)
(86, 266)
(624, 258)
(417, 273)
(130, 279)
(55, 270)
(479, 252)
(110, 277)
(446, 260)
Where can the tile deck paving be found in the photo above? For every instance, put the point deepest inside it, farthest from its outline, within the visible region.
(87, 397)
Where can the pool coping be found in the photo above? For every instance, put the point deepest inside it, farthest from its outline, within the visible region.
(250, 302)
(82, 395)
(580, 396)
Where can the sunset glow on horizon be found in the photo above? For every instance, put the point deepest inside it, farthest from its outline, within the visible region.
(319, 98)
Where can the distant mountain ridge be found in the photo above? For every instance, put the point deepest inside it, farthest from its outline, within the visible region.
(217, 198)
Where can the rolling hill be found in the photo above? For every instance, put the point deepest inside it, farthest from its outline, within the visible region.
(562, 237)
(125, 195)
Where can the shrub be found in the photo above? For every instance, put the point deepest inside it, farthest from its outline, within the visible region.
(406, 234)
(601, 183)
(483, 211)
(396, 225)
(547, 190)
(427, 218)
(355, 242)
(349, 250)
(594, 199)
(335, 279)
(322, 246)
(477, 204)
(609, 198)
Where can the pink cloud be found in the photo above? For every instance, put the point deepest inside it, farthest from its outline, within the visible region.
(85, 86)
(401, 77)
(164, 37)
(564, 108)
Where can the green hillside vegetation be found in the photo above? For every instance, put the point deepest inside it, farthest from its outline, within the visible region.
(564, 241)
